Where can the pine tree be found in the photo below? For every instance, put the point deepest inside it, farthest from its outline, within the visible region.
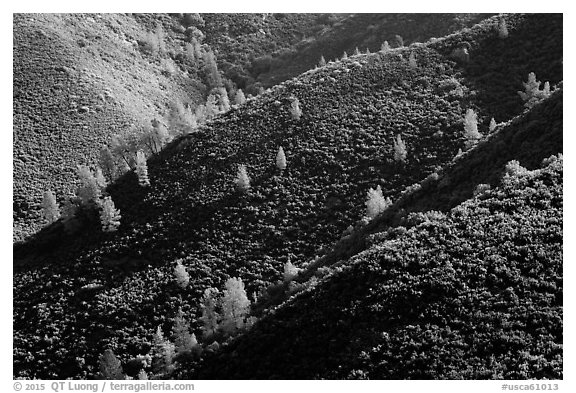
(182, 276)
(375, 202)
(142, 169)
(242, 180)
(88, 191)
(142, 375)
(322, 62)
(50, 209)
(184, 342)
(295, 111)
(532, 93)
(290, 271)
(471, 128)
(109, 215)
(492, 125)
(412, 60)
(110, 367)
(209, 316)
(356, 51)
(502, 29)
(235, 305)
(400, 152)
(100, 179)
(162, 353)
(212, 73)
(385, 47)
(345, 55)
(239, 98)
(281, 159)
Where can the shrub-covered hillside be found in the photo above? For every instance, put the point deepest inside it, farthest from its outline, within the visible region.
(475, 293)
(113, 290)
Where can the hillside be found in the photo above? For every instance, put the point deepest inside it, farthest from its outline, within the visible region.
(472, 290)
(113, 290)
(81, 78)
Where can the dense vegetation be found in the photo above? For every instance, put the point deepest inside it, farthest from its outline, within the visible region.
(113, 290)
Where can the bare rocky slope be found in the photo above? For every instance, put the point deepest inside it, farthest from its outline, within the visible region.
(113, 290)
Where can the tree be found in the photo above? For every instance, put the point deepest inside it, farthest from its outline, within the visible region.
(110, 367)
(162, 353)
(492, 125)
(239, 98)
(89, 190)
(471, 128)
(322, 62)
(109, 215)
(345, 55)
(142, 169)
(532, 93)
(50, 209)
(295, 111)
(182, 276)
(375, 202)
(235, 305)
(209, 316)
(400, 152)
(502, 29)
(242, 180)
(213, 77)
(356, 51)
(281, 159)
(184, 341)
(100, 179)
(412, 60)
(290, 271)
(399, 41)
(385, 47)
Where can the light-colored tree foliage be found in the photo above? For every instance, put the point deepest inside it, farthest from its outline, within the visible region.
(184, 341)
(281, 159)
(400, 151)
(295, 111)
(239, 98)
(107, 163)
(242, 180)
(162, 353)
(142, 169)
(110, 367)
(100, 179)
(235, 305)
(385, 47)
(89, 191)
(502, 29)
(412, 60)
(109, 215)
(210, 315)
(492, 125)
(142, 375)
(344, 56)
(356, 51)
(532, 93)
(50, 209)
(375, 202)
(471, 132)
(322, 62)
(213, 77)
(181, 275)
(290, 271)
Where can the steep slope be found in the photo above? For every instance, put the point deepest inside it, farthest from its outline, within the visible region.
(362, 31)
(78, 79)
(472, 292)
(113, 290)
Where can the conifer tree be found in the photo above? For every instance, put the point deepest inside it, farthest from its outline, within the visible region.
(502, 29)
(110, 367)
(181, 275)
(290, 271)
(375, 202)
(142, 375)
(184, 341)
(235, 305)
(295, 111)
(88, 191)
(356, 51)
(109, 215)
(209, 316)
(532, 93)
(400, 152)
(239, 98)
(242, 180)
(471, 128)
(50, 209)
(162, 353)
(412, 60)
(212, 73)
(492, 125)
(281, 159)
(107, 163)
(322, 62)
(142, 169)
(385, 47)
(345, 55)
(100, 179)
